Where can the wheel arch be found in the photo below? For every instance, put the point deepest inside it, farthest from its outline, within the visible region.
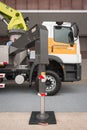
(56, 65)
(53, 61)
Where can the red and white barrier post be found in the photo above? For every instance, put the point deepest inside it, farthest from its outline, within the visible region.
(42, 115)
(2, 75)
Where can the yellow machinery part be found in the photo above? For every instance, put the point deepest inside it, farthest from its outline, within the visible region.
(15, 17)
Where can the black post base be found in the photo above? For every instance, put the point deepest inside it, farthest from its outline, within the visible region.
(50, 118)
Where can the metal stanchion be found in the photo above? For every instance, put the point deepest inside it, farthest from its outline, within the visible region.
(43, 117)
(41, 48)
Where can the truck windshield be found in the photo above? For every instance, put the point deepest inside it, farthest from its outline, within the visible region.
(61, 34)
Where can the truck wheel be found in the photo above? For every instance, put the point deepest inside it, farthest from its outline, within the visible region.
(53, 83)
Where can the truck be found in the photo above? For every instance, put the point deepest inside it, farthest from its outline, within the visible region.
(63, 54)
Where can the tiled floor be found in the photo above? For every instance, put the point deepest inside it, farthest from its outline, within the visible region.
(65, 121)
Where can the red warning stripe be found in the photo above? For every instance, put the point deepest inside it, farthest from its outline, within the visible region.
(2, 75)
(41, 77)
(3, 63)
(42, 94)
(2, 85)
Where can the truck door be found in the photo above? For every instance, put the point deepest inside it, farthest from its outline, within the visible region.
(61, 41)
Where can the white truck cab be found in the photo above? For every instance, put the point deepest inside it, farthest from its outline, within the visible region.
(60, 44)
(64, 49)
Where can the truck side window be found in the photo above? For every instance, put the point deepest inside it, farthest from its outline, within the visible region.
(61, 34)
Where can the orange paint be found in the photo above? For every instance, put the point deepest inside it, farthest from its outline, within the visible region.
(60, 48)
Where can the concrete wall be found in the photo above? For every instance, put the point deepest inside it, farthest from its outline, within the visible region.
(84, 69)
(38, 17)
(83, 44)
(79, 17)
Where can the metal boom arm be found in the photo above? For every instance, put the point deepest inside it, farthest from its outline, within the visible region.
(15, 17)
(36, 37)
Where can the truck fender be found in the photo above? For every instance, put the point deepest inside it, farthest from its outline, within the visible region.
(55, 58)
(50, 57)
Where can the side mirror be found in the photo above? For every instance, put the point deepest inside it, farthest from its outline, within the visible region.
(71, 38)
(75, 30)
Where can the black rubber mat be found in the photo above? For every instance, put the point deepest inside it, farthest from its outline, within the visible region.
(50, 120)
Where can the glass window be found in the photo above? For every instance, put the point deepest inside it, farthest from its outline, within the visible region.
(61, 34)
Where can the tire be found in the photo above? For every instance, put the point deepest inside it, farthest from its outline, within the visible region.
(53, 83)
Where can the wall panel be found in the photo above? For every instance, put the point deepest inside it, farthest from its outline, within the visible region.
(77, 4)
(44, 4)
(2, 0)
(85, 4)
(83, 45)
(66, 4)
(21, 4)
(47, 4)
(84, 54)
(32, 4)
(3, 40)
(11, 3)
(54, 4)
